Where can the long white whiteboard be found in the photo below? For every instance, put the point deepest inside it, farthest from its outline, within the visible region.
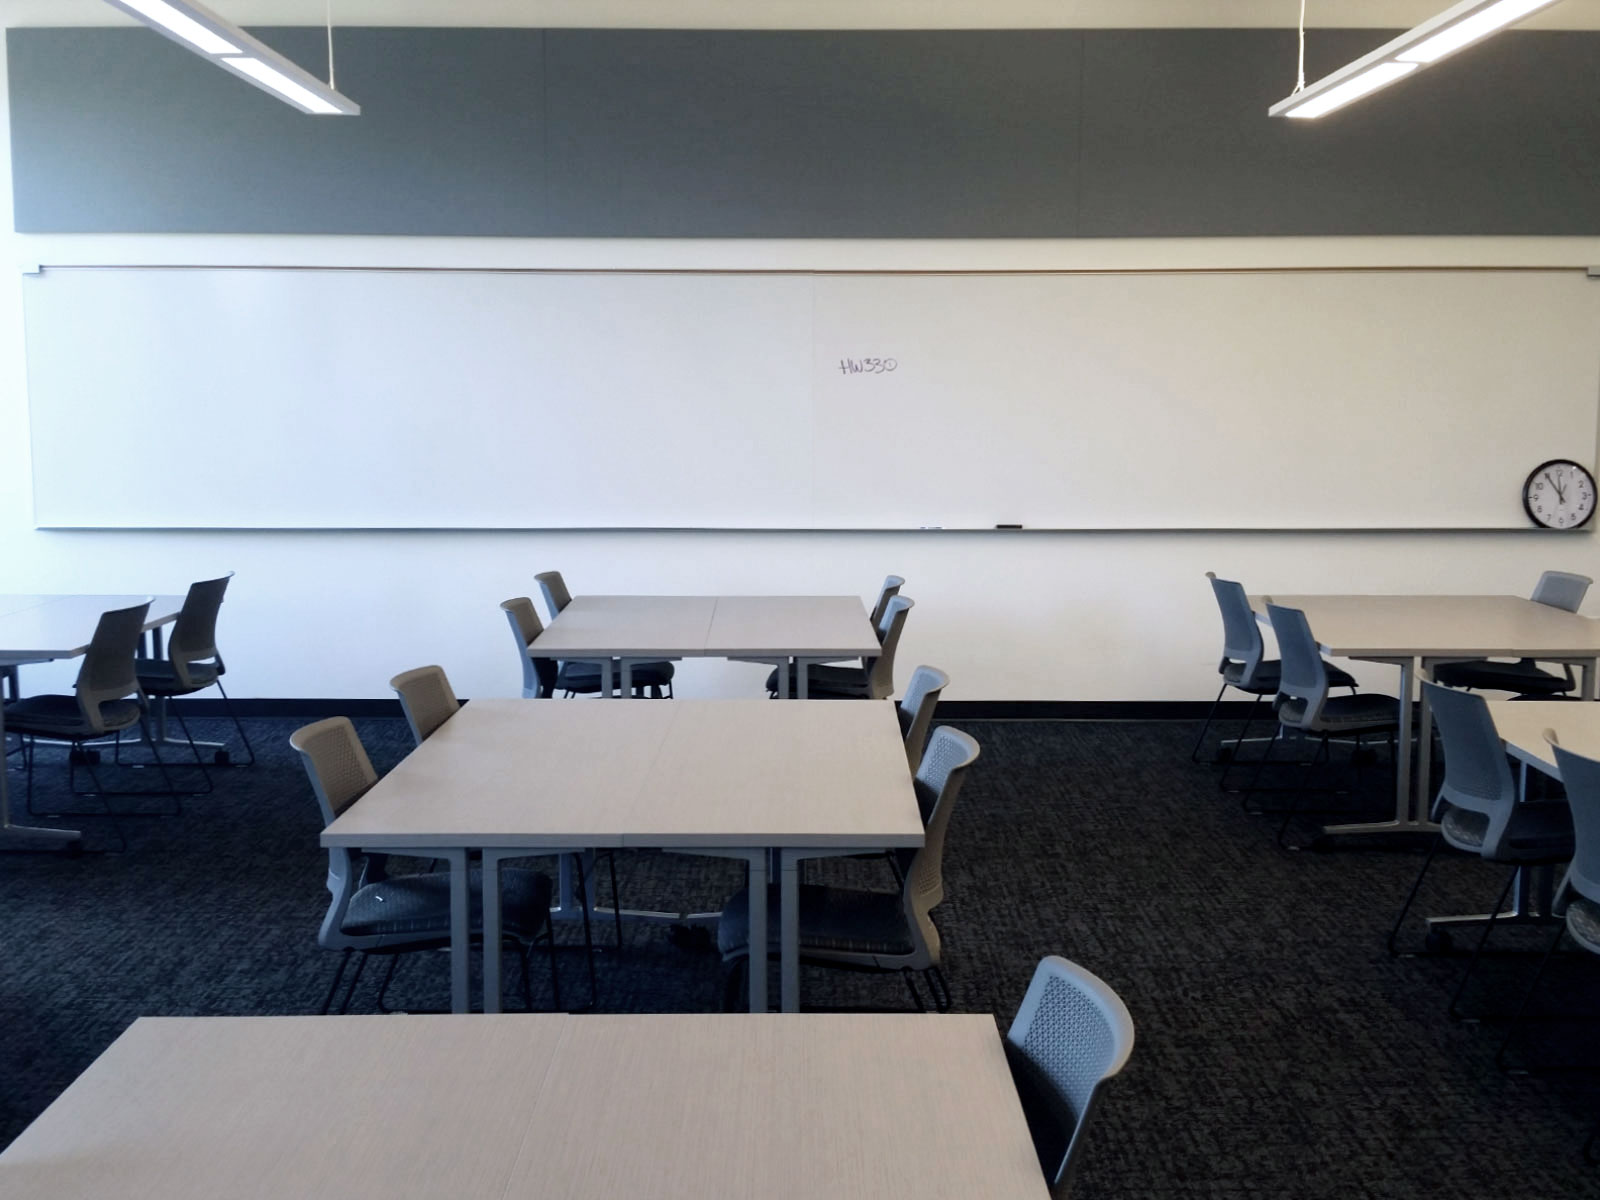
(310, 398)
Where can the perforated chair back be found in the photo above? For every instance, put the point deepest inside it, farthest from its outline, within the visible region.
(1071, 1034)
(426, 698)
(1477, 776)
(538, 674)
(1581, 775)
(880, 670)
(891, 588)
(1241, 632)
(1303, 675)
(556, 596)
(1561, 589)
(337, 763)
(938, 783)
(916, 710)
(194, 635)
(108, 671)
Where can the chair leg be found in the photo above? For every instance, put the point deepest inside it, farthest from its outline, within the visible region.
(238, 725)
(355, 978)
(1527, 998)
(1194, 755)
(333, 987)
(1289, 811)
(1483, 940)
(733, 985)
(388, 978)
(555, 973)
(1255, 776)
(909, 976)
(1412, 895)
(941, 994)
(195, 750)
(616, 900)
(588, 933)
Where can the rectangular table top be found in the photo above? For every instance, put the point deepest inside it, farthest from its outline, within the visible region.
(369, 1108)
(847, 1106)
(1521, 725)
(681, 773)
(710, 626)
(45, 627)
(1351, 626)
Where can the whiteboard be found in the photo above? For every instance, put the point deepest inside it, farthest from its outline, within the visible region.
(322, 398)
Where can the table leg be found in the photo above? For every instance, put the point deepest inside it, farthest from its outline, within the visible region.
(625, 684)
(24, 837)
(1424, 794)
(460, 929)
(758, 931)
(605, 678)
(1405, 819)
(783, 679)
(1586, 673)
(802, 679)
(491, 931)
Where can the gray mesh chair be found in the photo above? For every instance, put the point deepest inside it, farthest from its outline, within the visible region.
(193, 662)
(873, 680)
(1479, 812)
(863, 930)
(1577, 900)
(1243, 666)
(1558, 589)
(539, 675)
(1071, 1034)
(890, 589)
(426, 698)
(583, 678)
(915, 710)
(371, 913)
(1303, 705)
(106, 700)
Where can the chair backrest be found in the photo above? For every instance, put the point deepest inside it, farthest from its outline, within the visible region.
(194, 635)
(556, 596)
(891, 588)
(538, 674)
(880, 670)
(1561, 589)
(938, 783)
(109, 671)
(916, 710)
(1477, 776)
(427, 699)
(1303, 675)
(1071, 1034)
(1581, 775)
(1241, 632)
(337, 763)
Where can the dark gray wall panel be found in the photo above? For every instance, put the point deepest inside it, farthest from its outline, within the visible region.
(1504, 139)
(656, 133)
(121, 130)
(801, 134)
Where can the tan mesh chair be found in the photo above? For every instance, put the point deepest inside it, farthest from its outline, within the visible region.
(583, 678)
(1071, 1034)
(106, 700)
(193, 662)
(915, 710)
(872, 931)
(426, 698)
(873, 680)
(372, 913)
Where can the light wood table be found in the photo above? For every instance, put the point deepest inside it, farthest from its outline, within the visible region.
(775, 629)
(1421, 632)
(588, 1108)
(40, 628)
(744, 779)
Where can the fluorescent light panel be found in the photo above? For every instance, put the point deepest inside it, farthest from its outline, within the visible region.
(197, 28)
(1432, 41)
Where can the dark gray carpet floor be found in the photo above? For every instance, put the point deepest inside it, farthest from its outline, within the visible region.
(1280, 1051)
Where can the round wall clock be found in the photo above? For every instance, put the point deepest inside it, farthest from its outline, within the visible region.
(1559, 494)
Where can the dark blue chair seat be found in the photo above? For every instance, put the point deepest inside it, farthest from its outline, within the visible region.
(418, 905)
(1524, 677)
(53, 716)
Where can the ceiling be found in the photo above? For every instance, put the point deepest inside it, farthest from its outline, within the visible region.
(811, 14)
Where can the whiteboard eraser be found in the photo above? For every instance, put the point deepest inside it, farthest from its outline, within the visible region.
(1008, 526)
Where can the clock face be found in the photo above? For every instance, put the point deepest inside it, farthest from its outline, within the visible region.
(1559, 494)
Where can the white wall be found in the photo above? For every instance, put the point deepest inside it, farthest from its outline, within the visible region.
(1088, 616)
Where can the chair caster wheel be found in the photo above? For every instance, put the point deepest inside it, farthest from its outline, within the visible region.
(1438, 941)
(84, 756)
(1363, 756)
(222, 759)
(1222, 756)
